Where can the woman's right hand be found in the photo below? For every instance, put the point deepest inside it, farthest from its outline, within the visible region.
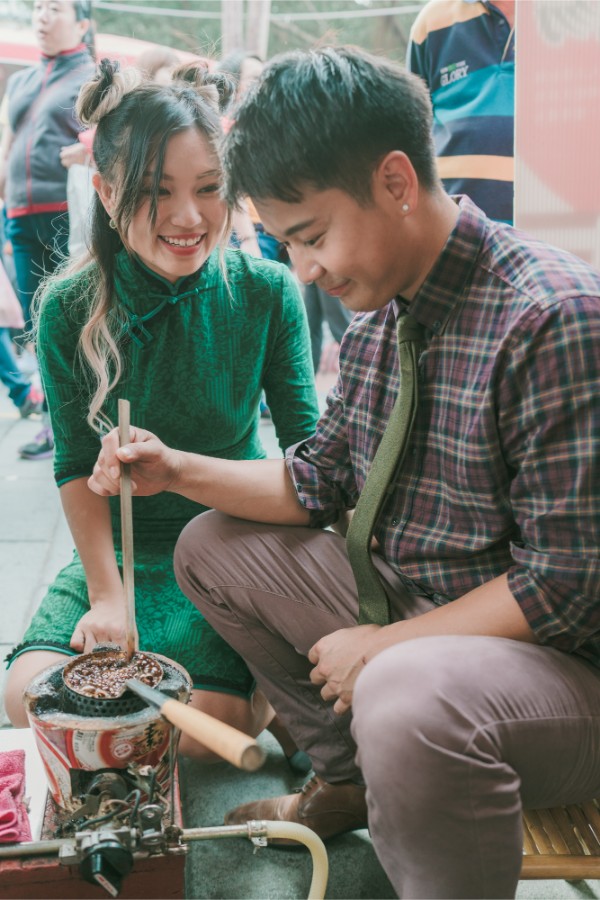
(105, 622)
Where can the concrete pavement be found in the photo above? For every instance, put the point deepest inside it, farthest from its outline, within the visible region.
(34, 539)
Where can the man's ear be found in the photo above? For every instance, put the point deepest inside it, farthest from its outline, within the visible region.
(398, 180)
(105, 193)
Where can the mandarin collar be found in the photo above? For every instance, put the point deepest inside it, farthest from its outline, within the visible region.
(141, 287)
(143, 294)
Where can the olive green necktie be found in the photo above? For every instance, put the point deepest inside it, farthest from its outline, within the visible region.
(373, 602)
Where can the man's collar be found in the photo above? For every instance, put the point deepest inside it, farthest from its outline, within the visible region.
(452, 272)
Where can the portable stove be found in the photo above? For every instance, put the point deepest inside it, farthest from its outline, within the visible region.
(110, 759)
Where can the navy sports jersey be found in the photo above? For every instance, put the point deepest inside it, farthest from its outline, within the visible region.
(464, 51)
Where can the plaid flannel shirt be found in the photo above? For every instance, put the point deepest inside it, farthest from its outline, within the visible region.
(503, 468)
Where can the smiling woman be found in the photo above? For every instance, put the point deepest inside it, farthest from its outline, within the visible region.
(191, 333)
(190, 215)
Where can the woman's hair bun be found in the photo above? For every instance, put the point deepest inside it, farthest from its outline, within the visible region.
(216, 88)
(105, 91)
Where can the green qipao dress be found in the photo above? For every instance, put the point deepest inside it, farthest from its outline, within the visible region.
(197, 355)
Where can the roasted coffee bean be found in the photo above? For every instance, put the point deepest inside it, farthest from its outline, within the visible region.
(104, 676)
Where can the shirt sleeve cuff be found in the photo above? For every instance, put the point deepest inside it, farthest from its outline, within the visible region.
(316, 496)
(554, 598)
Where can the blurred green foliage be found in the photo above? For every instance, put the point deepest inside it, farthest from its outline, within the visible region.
(380, 34)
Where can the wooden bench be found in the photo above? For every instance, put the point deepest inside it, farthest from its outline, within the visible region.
(562, 842)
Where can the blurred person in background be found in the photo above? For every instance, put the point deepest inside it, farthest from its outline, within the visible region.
(247, 231)
(321, 308)
(465, 53)
(25, 396)
(33, 181)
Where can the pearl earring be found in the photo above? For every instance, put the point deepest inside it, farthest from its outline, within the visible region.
(405, 207)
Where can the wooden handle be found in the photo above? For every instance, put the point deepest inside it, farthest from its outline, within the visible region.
(127, 530)
(233, 745)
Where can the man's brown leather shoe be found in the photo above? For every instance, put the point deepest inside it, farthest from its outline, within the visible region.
(328, 809)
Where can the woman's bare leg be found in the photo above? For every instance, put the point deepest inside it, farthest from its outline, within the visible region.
(250, 716)
(21, 672)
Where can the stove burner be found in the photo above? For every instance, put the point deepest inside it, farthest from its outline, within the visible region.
(94, 684)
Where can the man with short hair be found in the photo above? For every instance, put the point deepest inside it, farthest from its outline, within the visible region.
(474, 691)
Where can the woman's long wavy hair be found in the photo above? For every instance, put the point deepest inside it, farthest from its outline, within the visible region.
(135, 121)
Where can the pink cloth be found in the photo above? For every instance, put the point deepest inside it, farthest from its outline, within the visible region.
(14, 821)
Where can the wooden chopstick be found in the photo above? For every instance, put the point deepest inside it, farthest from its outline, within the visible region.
(127, 529)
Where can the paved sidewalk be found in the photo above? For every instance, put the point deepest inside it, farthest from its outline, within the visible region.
(34, 539)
